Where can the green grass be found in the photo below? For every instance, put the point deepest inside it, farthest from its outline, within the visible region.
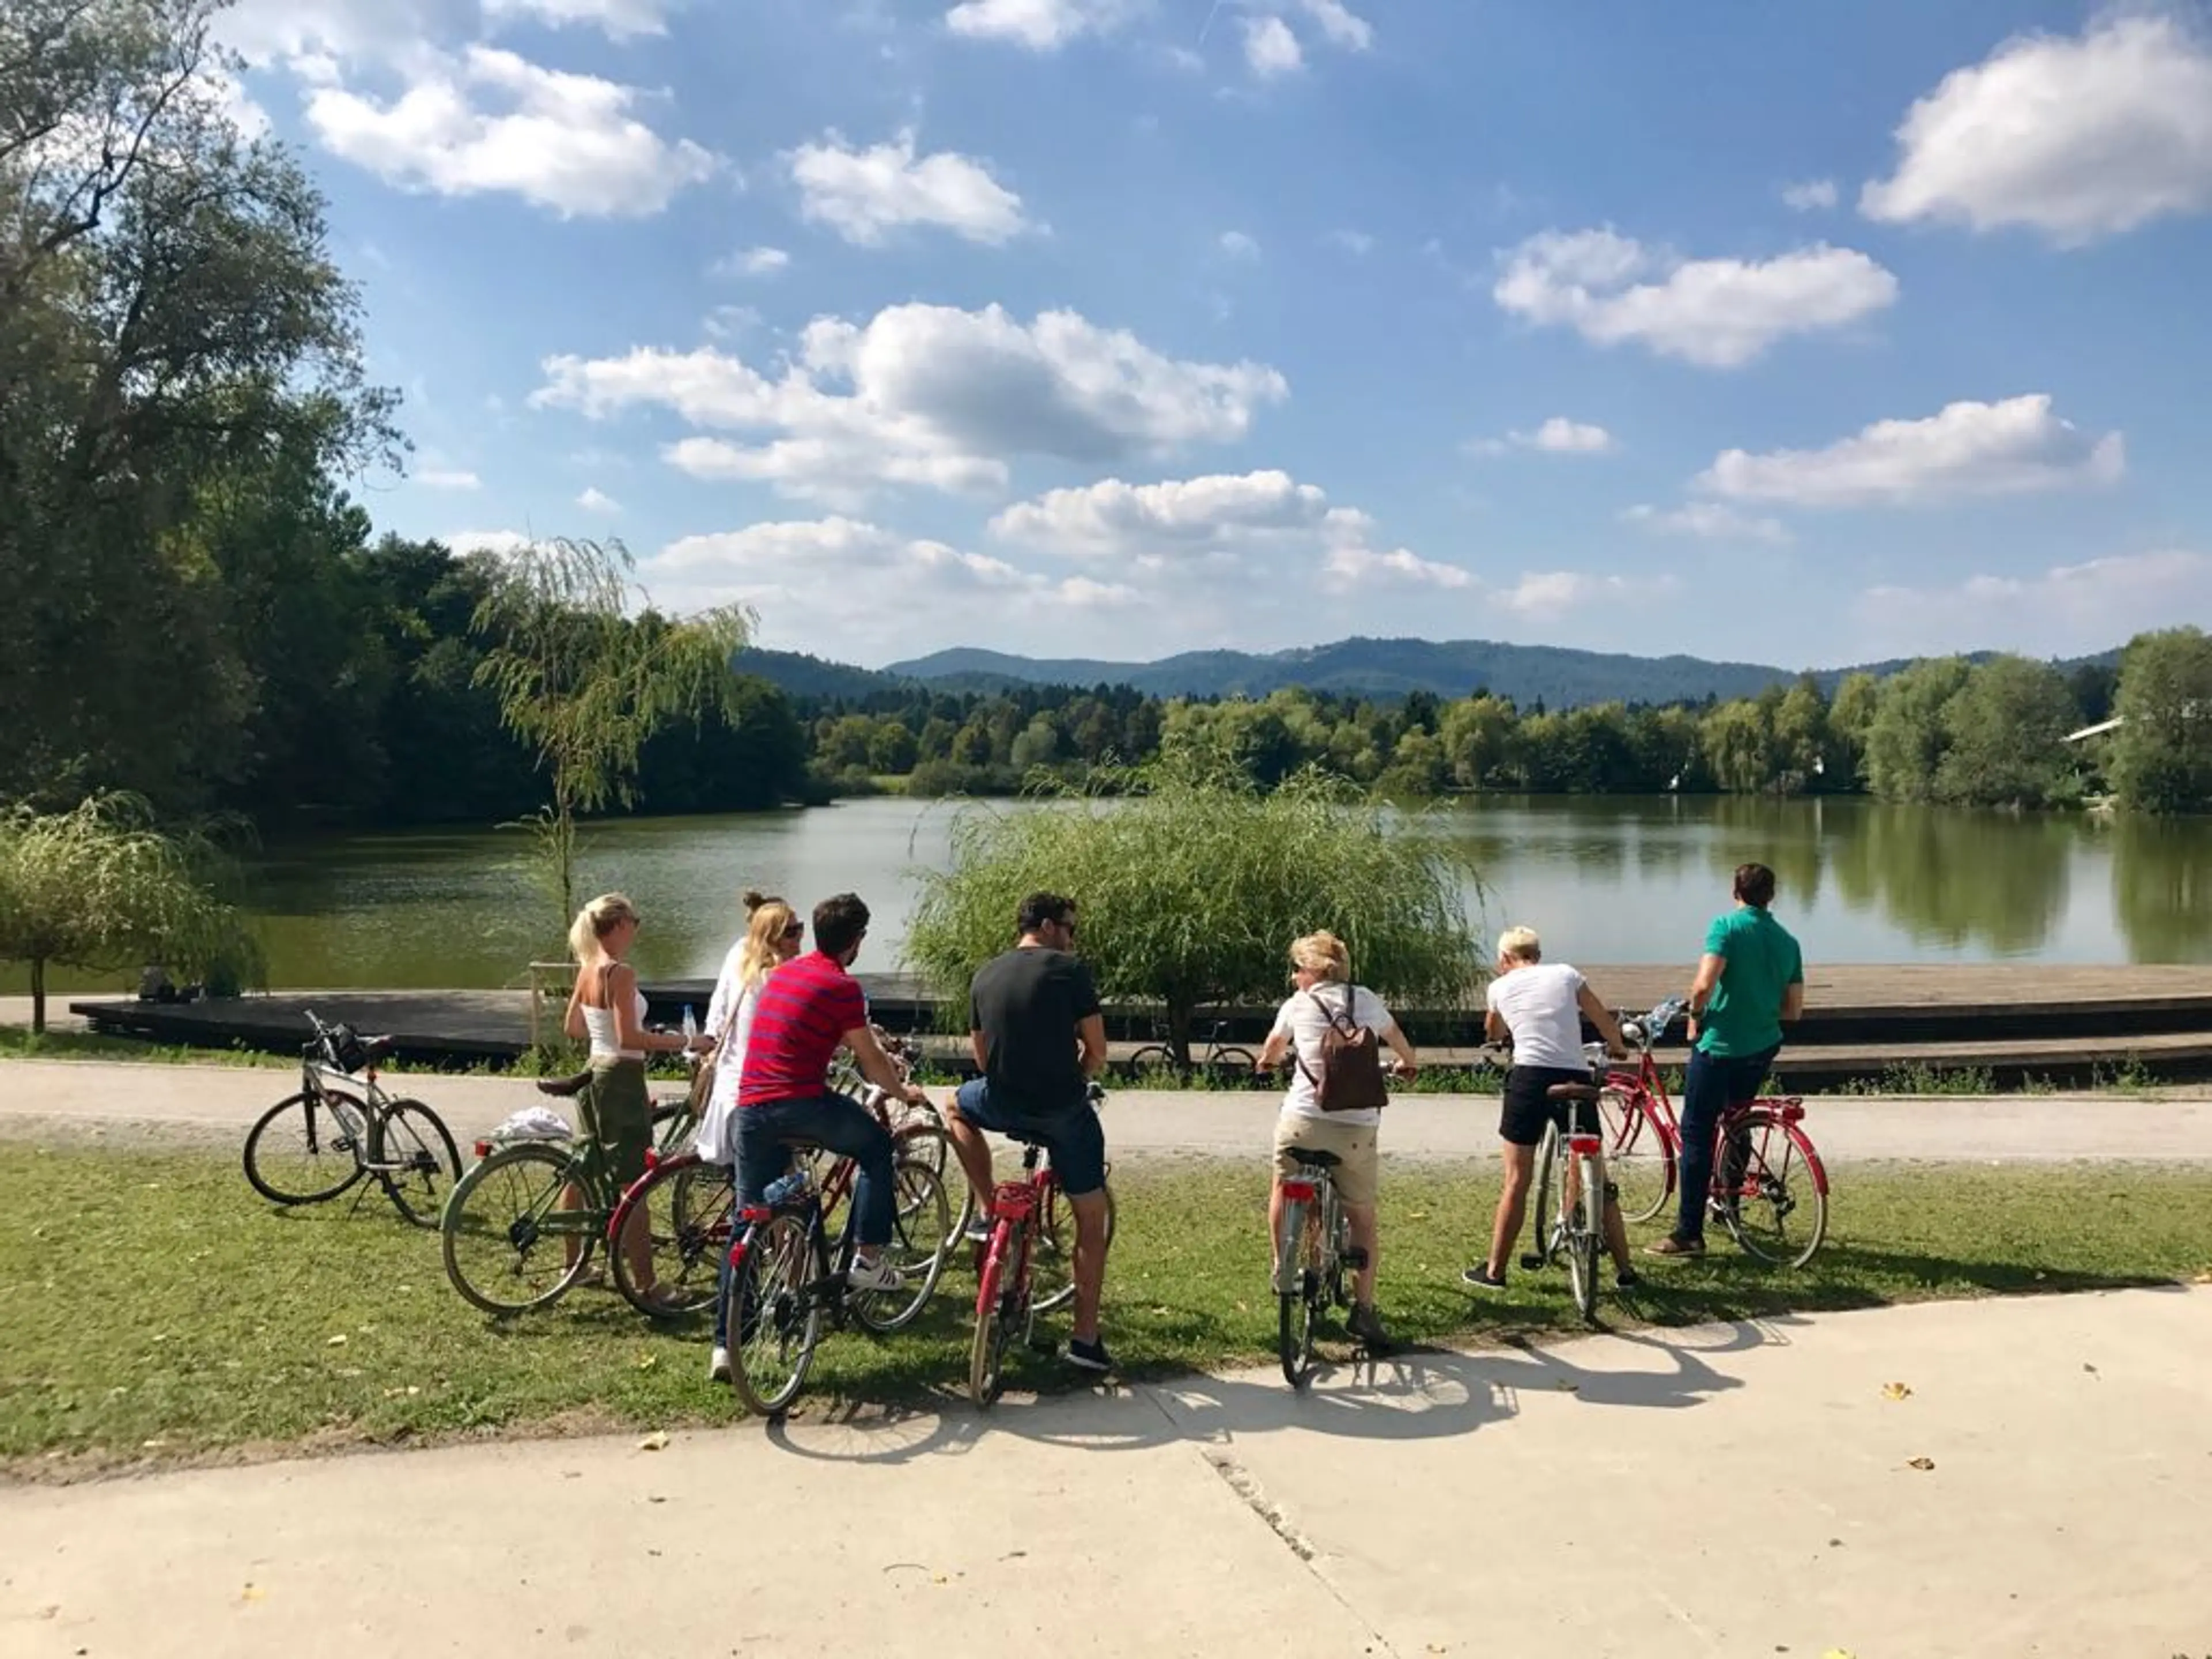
(156, 1310)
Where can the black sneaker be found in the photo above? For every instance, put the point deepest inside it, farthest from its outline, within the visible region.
(1627, 1278)
(1365, 1324)
(1089, 1357)
(1482, 1278)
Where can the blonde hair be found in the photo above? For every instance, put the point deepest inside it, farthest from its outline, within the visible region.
(1521, 944)
(770, 916)
(596, 920)
(1323, 953)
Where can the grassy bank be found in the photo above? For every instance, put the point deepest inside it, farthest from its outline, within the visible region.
(157, 1312)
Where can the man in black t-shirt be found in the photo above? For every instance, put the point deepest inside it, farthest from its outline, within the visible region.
(1038, 1037)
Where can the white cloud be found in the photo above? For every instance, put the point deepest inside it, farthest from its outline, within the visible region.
(595, 500)
(618, 20)
(2062, 611)
(1111, 520)
(2077, 136)
(924, 395)
(1270, 48)
(862, 193)
(1238, 246)
(1557, 436)
(753, 262)
(1354, 564)
(1718, 313)
(440, 478)
(1356, 242)
(1040, 24)
(802, 575)
(486, 541)
(1813, 195)
(569, 142)
(1549, 594)
(1712, 521)
(1342, 27)
(2006, 448)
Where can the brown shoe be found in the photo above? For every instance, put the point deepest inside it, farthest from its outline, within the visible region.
(1676, 1247)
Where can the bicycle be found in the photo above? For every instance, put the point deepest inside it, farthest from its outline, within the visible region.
(1315, 1253)
(400, 1141)
(785, 1277)
(1755, 1194)
(1223, 1061)
(1026, 1225)
(1574, 1226)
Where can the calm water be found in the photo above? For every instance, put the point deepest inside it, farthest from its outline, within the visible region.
(1606, 880)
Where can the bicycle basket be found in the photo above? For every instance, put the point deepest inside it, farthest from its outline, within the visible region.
(344, 1048)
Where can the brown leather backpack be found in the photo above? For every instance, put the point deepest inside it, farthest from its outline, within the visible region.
(1351, 1077)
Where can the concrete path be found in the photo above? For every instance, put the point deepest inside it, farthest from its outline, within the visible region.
(1746, 1490)
(216, 1103)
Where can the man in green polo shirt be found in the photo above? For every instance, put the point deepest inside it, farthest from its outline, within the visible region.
(1750, 981)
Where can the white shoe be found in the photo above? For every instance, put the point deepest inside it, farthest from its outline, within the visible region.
(718, 1367)
(978, 1230)
(877, 1275)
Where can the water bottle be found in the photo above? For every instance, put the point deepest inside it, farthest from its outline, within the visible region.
(786, 1190)
(690, 1027)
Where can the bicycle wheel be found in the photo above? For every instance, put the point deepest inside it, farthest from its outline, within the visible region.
(510, 1244)
(1779, 1211)
(1639, 1155)
(301, 1151)
(923, 1138)
(918, 1233)
(1054, 1265)
(420, 1165)
(1235, 1068)
(1582, 1207)
(775, 1320)
(1154, 1058)
(686, 1206)
(673, 1127)
(1549, 1165)
(1294, 1317)
(998, 1315)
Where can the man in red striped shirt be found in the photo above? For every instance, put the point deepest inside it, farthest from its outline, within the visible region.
(808, 1008)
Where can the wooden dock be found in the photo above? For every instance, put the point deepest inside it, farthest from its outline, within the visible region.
(2020, 1023)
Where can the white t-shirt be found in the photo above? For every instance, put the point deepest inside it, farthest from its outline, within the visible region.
(1306, 1024)
(715, 1143)
(1539, 1004)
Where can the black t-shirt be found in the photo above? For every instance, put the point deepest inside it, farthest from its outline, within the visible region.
(1027, 1004)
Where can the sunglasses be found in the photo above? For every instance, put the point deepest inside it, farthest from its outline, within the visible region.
(797, 930)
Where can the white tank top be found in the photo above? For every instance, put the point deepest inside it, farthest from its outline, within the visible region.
(606, 1030)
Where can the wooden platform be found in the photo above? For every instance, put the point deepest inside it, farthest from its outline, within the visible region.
(2018, 1023)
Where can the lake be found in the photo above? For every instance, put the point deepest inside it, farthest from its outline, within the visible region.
(1605, 879)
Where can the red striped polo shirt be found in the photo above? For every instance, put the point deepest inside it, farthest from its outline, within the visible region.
(806, 1007)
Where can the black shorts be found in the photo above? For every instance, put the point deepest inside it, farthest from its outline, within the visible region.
(1529, 1108)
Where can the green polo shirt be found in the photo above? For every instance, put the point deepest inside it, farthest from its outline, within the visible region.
(1762, 963)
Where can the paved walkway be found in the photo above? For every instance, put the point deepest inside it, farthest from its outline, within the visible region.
(78, 1098)
(1748, 1490)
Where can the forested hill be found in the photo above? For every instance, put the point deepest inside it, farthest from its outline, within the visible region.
(1558, 677)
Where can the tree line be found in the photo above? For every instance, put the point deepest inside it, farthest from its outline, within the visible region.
(1987, 732)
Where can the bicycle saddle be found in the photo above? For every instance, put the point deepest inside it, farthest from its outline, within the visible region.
(1320, 1160)
(564, 1087)
(1574, 1091)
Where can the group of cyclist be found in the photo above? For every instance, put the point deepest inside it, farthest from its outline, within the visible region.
(780, 1012)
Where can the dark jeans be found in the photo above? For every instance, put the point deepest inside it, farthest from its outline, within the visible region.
(1715, 1083)
(846, 1128)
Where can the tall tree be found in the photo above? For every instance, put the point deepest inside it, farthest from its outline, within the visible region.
(2162, 753)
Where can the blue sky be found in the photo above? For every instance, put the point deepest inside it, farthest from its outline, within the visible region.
(1801, 334)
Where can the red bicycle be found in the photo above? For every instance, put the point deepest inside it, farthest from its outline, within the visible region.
(1769, 1189)
(1032, 1240)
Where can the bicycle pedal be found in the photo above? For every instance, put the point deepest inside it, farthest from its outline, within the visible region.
(1532, 1262)
(1354, 1257)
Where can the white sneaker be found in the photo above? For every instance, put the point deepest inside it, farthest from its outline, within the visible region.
(718, 1367)
(877, 1275)
(978, 1230)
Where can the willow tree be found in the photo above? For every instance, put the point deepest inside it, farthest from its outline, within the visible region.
(103, 885)
(1193, 884)
(586, 670)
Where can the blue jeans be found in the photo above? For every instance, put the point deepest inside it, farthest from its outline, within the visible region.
(1715, 1083)
(846, 1128)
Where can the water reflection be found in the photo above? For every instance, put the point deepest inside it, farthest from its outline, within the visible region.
(2162, 888)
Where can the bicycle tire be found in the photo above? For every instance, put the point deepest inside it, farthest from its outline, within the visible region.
(514, 1171)
(995, 1316)
(1584, 1233)
(419, 1191)
(672, 1122)
(267, 1178)
(1291, 1292)
(1639, 1154)
(771, 1296)
(919, 1245)
(1763, 1125)
(1548, 1162)
(1055, 1242)
(1234, 1065)
(1156, 1057)
(687, 1247)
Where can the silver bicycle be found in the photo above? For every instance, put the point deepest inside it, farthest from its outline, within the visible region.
(1570, 1187)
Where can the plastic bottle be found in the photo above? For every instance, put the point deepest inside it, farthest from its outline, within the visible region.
(690, 1027)
(786, 1190)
